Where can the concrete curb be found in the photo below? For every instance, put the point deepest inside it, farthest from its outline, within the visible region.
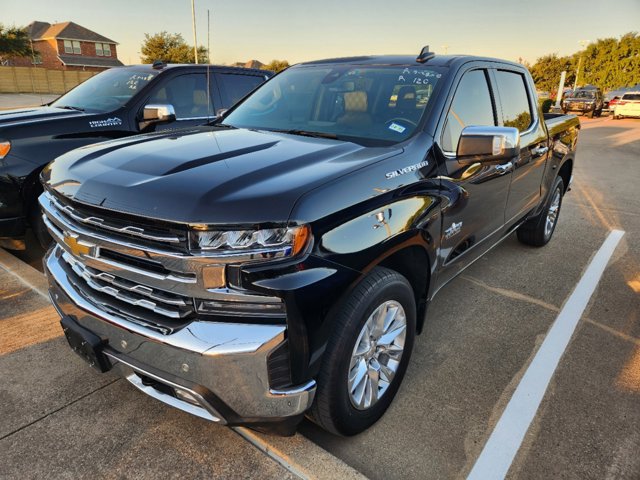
(300, 456)
(28, 275)
(297, 454)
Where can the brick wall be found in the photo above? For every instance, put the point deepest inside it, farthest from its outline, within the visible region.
(49, 49)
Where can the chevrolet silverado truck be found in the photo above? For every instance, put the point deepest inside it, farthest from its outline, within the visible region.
(280, 261)
(115, 103)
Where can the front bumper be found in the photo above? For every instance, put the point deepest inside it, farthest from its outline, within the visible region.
(221, 367)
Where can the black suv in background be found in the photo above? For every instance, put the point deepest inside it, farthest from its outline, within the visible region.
(113, 104)
(587, 100)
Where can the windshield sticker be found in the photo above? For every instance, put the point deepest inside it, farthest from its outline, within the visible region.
(397, 128)
(107, 122)
(409, 169)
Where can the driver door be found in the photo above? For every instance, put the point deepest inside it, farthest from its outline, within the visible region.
(189, 97)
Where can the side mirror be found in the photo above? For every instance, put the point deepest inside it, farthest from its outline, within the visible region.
(488, 144)
(220, 112)
(157, 114)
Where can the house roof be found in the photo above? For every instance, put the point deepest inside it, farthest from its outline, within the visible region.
(65, 30)
(78, 61)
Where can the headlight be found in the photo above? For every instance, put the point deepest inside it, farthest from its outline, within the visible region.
(5, 146)
(267, 243)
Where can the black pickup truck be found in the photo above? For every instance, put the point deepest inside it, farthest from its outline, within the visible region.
(117, 103)
(280, 262)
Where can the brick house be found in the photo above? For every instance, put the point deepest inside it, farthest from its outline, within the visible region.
(69, 46)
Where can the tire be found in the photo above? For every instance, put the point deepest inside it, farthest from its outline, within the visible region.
(537, 231)
(599, 113)
(340, 406)
(615, 117)
(37, 225)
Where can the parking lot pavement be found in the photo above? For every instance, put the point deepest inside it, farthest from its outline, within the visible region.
(484, 328)
(60, 419)
(19, 100)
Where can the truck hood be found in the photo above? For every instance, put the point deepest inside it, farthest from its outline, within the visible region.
(205, 175)
(29, 115)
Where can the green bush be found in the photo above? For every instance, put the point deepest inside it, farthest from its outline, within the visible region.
(546, 105)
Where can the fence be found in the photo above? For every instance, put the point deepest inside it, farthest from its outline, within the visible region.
(39, 80)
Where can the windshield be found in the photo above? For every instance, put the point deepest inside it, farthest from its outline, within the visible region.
(106, 91)
(369, 105)
(585, 94)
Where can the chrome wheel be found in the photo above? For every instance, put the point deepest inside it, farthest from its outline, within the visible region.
(552, 214)
(376, 355)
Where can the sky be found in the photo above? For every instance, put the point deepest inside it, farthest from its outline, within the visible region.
(297, 31)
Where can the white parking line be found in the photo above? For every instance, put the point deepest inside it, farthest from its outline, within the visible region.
(505, 440)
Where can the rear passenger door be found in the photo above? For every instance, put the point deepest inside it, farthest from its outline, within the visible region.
(518, 109)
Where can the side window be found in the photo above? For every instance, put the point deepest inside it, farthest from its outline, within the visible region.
(187, 94)
(234, 87)
(471, 106)
(516, 109)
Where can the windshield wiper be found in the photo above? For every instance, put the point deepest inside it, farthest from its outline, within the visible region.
(306, 133)
(70, 107)
(221, 125)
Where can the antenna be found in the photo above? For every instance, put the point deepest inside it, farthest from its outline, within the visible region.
(208, 65)
(425, 55)
(195, 38)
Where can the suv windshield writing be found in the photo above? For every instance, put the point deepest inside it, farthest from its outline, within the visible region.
(106, 91)
(364, 104)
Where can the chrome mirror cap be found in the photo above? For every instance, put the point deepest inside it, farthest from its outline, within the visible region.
(488, 144)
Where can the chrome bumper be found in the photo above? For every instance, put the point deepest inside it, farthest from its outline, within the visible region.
(221, 366)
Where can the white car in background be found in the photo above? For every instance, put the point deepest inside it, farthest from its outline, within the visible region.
(627, 106)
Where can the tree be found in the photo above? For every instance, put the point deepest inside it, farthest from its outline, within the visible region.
(276, 65)
(608, 63)
(14, 42)
(170, 48)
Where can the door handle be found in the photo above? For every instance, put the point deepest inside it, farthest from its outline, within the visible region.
(539, 151)
(504, 168)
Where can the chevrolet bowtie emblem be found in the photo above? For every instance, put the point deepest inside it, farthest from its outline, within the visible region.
(78, 248)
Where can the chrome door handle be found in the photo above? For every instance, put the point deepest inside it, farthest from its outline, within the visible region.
(504, 168)
(539, 151)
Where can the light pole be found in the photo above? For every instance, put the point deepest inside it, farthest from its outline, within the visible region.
(195, 38)
(582, 43)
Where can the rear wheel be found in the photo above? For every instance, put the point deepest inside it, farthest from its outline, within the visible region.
(538, 230)
(367, 354)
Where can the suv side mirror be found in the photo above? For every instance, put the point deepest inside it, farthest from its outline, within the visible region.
(153, 113)
(488, 144)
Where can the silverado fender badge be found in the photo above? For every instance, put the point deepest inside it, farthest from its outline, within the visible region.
(409, 169)
(454, 229)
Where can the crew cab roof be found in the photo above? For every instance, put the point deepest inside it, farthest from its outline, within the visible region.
(408, 60)
(171, 66)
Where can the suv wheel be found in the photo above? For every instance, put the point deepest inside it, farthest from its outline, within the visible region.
(367, 353)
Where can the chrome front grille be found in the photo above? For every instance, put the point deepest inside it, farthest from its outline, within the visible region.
(162, 303)
(174, 237)
(146, 283)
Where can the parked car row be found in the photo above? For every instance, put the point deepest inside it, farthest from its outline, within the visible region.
(627, 106)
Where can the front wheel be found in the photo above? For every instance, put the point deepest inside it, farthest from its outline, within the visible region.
(367, 353)
(538, 230)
